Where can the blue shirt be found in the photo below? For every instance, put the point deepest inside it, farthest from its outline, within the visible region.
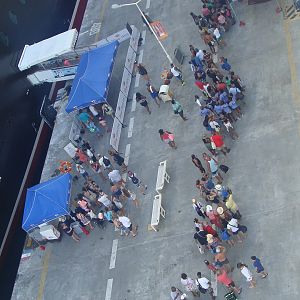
(204, 112)
(226, 108)
(218, 109)
(257, 264)
(233, 104)
(224, 97)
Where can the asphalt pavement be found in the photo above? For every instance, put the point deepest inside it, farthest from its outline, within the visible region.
(263, 170)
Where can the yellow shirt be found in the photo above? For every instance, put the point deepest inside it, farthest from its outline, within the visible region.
(231, 205)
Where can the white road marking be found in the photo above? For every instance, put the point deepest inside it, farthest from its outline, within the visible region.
(148, 4)
(144, 36)
(127, 154)
(130, 127)
(108, 289)
(214, 284)
(133, 105)
(141, 54)
(137, 80)
(113, 257)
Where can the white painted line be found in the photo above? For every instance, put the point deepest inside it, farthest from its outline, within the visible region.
(141, 54)
(124, 177)
(137, 80)
(127, 154)
(133, 105)
(130, 127)
(214, 284)
(148, 4)
(108, 289)
(144, 36)
(113, 257)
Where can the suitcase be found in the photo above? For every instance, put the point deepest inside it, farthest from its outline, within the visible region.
(230, 296)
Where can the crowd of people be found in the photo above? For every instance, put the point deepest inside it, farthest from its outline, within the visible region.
(218, 226)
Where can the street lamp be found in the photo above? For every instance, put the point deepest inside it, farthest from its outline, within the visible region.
(114, 6)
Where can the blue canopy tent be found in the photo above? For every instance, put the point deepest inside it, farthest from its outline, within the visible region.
(47, 201)
(90, 85)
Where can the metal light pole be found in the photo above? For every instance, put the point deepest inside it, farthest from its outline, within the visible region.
(144, 17)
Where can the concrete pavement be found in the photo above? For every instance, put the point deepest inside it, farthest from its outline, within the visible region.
(263, 171)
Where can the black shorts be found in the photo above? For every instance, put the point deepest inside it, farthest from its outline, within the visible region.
(130, 227)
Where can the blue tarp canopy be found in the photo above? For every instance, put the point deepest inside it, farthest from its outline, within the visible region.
(90, 85)
(47, 201)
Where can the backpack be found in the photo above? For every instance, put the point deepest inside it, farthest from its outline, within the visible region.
(106, 161)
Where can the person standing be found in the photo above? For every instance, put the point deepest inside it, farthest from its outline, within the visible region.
(177, 108)
(196, 161)
(141, 99)
(224, 279)
(210, 266)
(105, 162)
(189, 285)
(234, 227)
(118, 159)
(198, 207)
(221, 260)
(142, 71)
(247, 274)
(207, 142)
(137, 182)
(177, 73)
(232, 206)
(204, 285)
(217, 139)
(213, 167)
(126, 222)
(176, 294)
(259, 267)
(230, 129)
(80, 169)
(167, 137)
(115, 177)
(200, 237)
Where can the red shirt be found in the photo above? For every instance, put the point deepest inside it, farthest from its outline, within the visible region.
(224, 278)
(200, 85)
(221, 86)
(209, 230)
(218, 140)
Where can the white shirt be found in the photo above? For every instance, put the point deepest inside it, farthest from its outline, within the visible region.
(228, 125)
(217, 33)
(93, 111)
(234, 91)
(125, 221)
(101, 163)
(214, 125)
(104, 200)
(246, 272)
(233, 225)
(80, 169)
(204, 282)
(200, 54)
(175, 72)
(114, 176)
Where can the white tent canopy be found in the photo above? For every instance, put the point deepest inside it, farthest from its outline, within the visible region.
(47, 49)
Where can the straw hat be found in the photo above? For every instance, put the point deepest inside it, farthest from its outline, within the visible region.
(194, 200)
(209, 208)
(220, 210)
(210, 238)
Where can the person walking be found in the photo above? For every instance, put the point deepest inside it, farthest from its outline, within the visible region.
(141, 99)
(177, 108)
(196, 161)
(224, 279)
(204, 285)
(80, 169)
(259, 267)
(167, 137)
(153, 93)
(247, 274)
(212, 167)
(177, 73)
(131, 196)
(199, 208)
(200, 237)
(217, 139)
(142, 187)
(142, 71)
(189, 285)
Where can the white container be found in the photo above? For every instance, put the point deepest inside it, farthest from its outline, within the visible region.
(49, 232)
